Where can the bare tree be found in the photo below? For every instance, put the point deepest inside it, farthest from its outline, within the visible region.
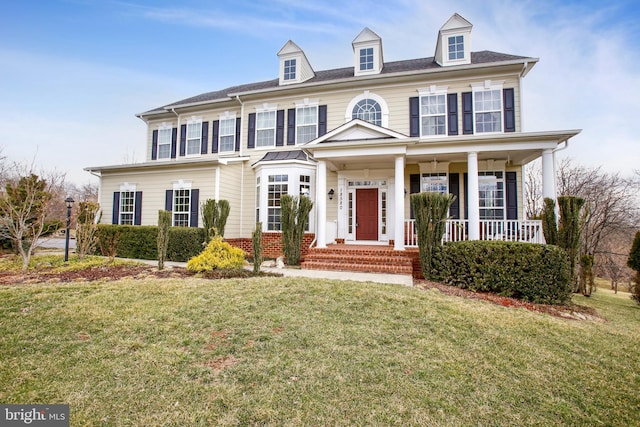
(533, 190)
(25, 205)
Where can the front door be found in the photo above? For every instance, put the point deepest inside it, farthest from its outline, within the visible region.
(367, 214)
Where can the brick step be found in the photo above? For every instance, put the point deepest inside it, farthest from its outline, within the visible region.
(388, 253)
(358, 267)
(357, 259)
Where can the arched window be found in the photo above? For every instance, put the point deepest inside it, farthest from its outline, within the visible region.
(368, 110)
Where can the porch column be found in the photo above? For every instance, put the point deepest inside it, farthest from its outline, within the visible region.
(548, 175)
(473, 196)
(398, 243)
(321, 204)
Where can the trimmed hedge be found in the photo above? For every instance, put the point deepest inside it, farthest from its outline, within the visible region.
(141, 242)
(531, 272)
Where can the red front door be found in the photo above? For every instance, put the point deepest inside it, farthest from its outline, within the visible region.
(367, 214)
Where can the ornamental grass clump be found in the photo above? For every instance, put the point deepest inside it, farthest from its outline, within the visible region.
(218, 255)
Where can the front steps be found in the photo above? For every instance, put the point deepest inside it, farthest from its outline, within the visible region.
(362, 259)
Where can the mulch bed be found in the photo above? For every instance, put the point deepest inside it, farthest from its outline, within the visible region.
(572, 311)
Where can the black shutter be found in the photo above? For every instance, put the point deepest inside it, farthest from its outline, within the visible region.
(174, 138)
(454, 188)
(116, 208)
(511, 182)
(509, 110)
(414, 187)
(466, 195)
(279, 128)
(137, 215)
(168, 201)
(238, 127)
(452, 113)
(291, 126)
(183, 140)
(215, 130)
(154, 144)
(414, 116)
(251, 134)
(204, 142)
(467, 113)
(322, 120)
(195, 203)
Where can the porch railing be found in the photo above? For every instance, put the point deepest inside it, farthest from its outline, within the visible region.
(508, 230)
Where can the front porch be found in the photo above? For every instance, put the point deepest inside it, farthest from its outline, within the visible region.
(458, 230)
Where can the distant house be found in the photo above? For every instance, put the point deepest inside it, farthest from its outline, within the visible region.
(357, 140)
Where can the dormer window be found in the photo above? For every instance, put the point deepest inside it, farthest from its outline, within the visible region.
(366, 59)
(456, 48)
(290, 69)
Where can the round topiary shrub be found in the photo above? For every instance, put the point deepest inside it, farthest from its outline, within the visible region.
(218, 255)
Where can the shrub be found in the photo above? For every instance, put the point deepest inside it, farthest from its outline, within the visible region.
(256, 242)
(549, 222)
(214, 218)
(141, 242)
(218, 255)
(634, 263)
(86, 228)
(295, 216)
(164, 222)
(431, 210)
(531, 272)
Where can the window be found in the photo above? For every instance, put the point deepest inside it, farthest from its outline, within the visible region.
(306, 124)
(266, 128)
(127, 207)
(433, 114)
(194, 133)
(491, 194)
(305, 185)
(456, 47)
(488, 110)
(434, 183)
(369, 111)
(278, 186)
(227, 135)
(290, 69)
(383, 212)
(181, 207)
(164, 143)
(366, 59)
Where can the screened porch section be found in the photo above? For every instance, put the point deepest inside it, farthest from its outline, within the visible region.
(457, 230)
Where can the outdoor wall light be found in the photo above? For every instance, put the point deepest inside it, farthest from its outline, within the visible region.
(331, 193)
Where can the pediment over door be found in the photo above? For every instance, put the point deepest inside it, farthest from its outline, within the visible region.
(357, 130)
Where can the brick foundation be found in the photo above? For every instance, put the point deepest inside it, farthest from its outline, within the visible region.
(271, 244)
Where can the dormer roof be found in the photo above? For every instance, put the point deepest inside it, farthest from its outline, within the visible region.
(453, 46)
(294, 65)
(367, 53)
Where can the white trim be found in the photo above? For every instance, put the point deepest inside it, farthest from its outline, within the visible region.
(126, 186)
(182, 184)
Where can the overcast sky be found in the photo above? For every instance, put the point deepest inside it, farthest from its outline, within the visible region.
(73, 73)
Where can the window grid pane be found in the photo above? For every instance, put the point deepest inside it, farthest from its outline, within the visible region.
(434, 183)
(181, 207)
(290, 69)
(369, 111)
(366, 59)
(277, 188)
(127, 206)
(227, 135)
(488, 108)
(456, 47)
(194, 130)
(306, 124)
(383, 209)
(433, 111)
(491, 195)
(164, 143)
(266, 129)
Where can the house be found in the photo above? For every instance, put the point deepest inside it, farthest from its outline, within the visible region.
(357, 140)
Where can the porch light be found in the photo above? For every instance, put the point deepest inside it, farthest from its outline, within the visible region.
(331, 193)
(69, 202)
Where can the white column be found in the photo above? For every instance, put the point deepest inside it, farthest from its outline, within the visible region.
(398, 216)
(548, 175)
(473, 196)
(321, 204)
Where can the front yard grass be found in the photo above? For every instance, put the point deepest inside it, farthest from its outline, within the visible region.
(284, 351)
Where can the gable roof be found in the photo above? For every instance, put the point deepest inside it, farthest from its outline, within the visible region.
(336, 75)
(356, 130)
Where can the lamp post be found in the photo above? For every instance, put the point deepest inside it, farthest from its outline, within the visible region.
(69, 201)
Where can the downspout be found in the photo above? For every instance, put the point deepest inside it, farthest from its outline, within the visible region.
(242, 164)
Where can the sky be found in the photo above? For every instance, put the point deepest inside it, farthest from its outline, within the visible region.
(73, 73)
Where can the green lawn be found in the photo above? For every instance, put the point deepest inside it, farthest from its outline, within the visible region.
(278, 351)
